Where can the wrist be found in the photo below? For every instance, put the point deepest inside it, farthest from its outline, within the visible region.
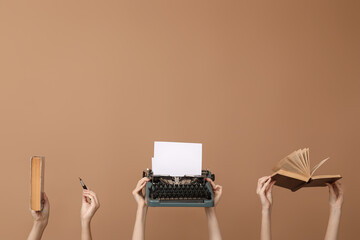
(210, 211)
(335, 209)
(266, 210)
(85, 222)
(40, 224)
(142, 206)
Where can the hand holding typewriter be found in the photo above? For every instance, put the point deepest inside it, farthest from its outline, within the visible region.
(217, 189)
(139, 227)
(213, 225)
(138, 192)
(41, 219)
(90, 205)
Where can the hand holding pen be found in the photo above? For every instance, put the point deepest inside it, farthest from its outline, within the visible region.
(90, 204)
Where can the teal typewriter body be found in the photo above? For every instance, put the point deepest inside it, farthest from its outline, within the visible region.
(186, 191)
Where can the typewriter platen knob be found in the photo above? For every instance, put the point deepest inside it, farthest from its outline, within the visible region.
(213, 177)
(144, 174)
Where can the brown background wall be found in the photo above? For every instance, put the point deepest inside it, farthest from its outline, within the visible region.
(91, 85)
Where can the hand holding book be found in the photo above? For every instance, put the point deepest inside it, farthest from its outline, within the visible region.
(40, 218)
(336, 195)
(264, 190)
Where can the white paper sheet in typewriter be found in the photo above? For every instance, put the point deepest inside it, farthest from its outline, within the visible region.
(177, 159)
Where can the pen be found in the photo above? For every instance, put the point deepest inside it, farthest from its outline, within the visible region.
(83, 184)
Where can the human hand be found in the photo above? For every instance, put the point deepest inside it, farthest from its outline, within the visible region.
(336, 195)
(90, 205)
(217, 189)
(42, 217)
(264, 189)
(138, 192)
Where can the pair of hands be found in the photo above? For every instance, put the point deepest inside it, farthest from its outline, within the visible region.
(264, 190)
(140, 196)
(90, 205)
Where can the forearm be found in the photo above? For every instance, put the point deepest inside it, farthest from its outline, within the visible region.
(333, 224)
(266, 224)
(213, 224)
(37, 231)
(85, 230)
(139, 227)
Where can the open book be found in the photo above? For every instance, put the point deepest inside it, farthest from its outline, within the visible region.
(37, 166)
(293, 172)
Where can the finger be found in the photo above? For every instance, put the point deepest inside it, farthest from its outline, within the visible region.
(91, 199)
(85, 199)
(143, 185)
(45, 197)
(46, 200)
(331, 189)
(219, 189)
(260, 179)
(265, 185)
(269, 188)
(141, 181)
(91, 194)
(339, 187)
(260, 185)
(97, 203)
(211, 183)
(94, 199)
(263, 180)
(336, 189)
(88, 197)
(140, 187)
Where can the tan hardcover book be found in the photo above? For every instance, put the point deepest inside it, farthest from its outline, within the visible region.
(37, 166)
(293, 172)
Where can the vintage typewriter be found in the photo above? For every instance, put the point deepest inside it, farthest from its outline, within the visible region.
(186, 191)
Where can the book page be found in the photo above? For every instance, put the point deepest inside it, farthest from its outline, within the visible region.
(299, 157)
(318, 165)
(296, 162)
(287, 164)
(307, 157)
(177, 159)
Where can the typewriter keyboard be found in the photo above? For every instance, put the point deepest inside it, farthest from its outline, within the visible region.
(164, 191)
